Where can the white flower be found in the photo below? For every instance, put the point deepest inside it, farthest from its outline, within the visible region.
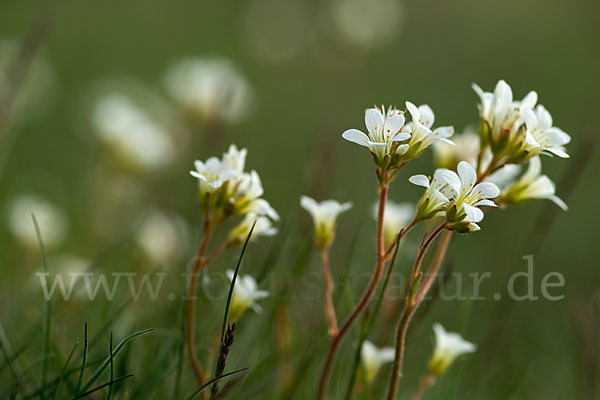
(420, 129)
(53, 222)
(128, 131)
(448, 346)
(396, 217)
(224, 186)
(234, 159)
(324, 215)
(383, 134)
(247, 190)
(502, 118)
(466, 148)
(211, 88)
(212, 174)
(532, 185)
(463, 213)
(435, 199)
(263, 227)
(542, 137)
(245, 294)
(372, 358)
(160, 236)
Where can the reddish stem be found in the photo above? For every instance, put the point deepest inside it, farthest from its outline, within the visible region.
(329, 308)
(191, 305)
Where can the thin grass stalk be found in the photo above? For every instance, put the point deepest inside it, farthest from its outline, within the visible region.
(112, 367)
(83, 363)
(47, 309)
(369, 319)
(64, 370)
(412, 303)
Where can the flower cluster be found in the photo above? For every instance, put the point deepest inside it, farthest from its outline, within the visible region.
(457, 196)
(227, 190)
(513, 129)
(392, 140)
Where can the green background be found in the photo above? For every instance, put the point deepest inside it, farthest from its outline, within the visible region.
(538, 349)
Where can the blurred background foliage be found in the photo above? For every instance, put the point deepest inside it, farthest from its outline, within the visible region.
(312, 67)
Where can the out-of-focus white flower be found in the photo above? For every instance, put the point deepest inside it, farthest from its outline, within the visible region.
(160, 236)
(210, 88)
(324, 215)
(53, 222)
(384, 135)
(504, 176)
(278, 31)
(396, 217)
(542, 137)
(372, 358)
(435, 199)
(129, 132)
(463, 213)
(245, 294)
(420, 129)
(466, 148)
(263, 227)
(367, 24)
(532, 185)
(448, 346)
(502, 119)
(68, 269)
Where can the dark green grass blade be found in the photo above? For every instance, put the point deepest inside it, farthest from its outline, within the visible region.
(5, 347)
(84, 362)
(64, 370)
(47, 308)
(207, 384)
(368, 322)
(112, 382)
(116, 351)
(112, 366)
(235, 274)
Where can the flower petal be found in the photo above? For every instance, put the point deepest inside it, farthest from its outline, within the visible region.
(374, 122)
(467, 175)
(356, 136)
(419, 180)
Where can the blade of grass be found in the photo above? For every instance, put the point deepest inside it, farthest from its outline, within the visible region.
(369, 321)
(83, 363)
(180, 357)
(112, 382)
(207, 384)
(6, 349)
(233, 279)
(112, 367)
(47, 309)
(116, 351)
(64, 370)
